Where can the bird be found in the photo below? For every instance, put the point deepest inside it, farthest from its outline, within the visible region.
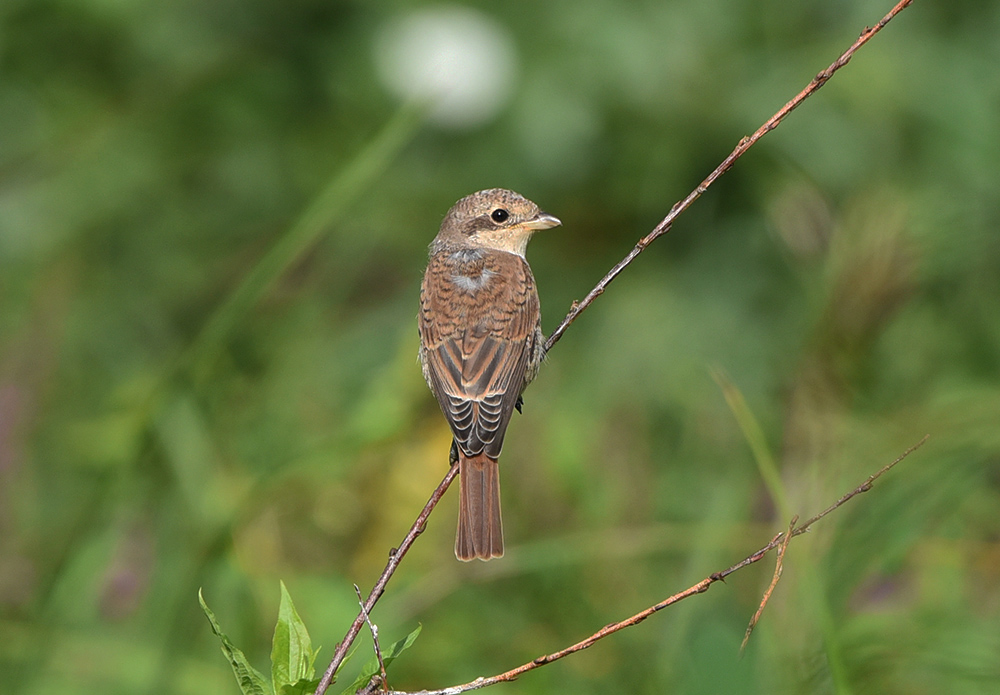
(481, 344)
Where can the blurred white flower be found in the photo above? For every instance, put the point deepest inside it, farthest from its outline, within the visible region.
(457, 59)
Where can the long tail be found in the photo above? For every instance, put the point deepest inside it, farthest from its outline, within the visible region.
(480, 531)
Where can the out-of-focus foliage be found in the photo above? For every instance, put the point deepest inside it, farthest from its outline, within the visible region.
(157, 436)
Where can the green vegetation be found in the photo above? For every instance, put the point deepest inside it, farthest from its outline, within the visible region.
(213, 222)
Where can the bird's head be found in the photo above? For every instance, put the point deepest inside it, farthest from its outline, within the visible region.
(494, 219)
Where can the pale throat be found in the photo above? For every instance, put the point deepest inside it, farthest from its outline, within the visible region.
(511, 241)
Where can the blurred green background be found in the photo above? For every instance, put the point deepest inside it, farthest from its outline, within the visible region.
(213, 222)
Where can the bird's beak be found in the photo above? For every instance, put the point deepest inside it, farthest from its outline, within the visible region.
(541, 221)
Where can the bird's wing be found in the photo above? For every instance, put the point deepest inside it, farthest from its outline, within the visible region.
(478, 325)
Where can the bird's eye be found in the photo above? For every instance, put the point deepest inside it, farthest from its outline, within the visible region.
(499, 215)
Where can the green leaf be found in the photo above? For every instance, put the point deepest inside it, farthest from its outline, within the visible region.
(303, 687)
(292, 655)
(371, 668)
(250, 680)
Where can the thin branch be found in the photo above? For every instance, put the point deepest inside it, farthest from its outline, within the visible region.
(745, 144)
(779, 565)
(578, 307)
(864, 487)
(781, 539)
(395, 557)
(802, 528)
(378, 648)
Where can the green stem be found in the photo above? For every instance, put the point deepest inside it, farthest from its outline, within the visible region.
(327, 208)
(754, 434)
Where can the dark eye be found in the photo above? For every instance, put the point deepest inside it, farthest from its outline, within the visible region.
(499, 215)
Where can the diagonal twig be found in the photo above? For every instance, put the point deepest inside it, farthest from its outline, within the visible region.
(780, 540)
(395, 557)
(745, 144)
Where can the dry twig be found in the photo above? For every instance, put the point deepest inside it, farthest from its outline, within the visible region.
(779, 541)
(577, 308)
(745, 144)
(779, 565)
(395, 557)
(378, 648)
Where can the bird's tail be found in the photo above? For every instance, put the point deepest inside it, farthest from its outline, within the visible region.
(480, 531)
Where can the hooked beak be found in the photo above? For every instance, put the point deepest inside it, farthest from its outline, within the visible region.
(542, 220)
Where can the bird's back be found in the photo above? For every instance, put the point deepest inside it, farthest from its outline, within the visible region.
(480, 340)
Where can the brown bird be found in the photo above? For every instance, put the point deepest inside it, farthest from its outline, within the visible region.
(480, 344)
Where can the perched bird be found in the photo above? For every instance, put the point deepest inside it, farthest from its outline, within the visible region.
(480, 344)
